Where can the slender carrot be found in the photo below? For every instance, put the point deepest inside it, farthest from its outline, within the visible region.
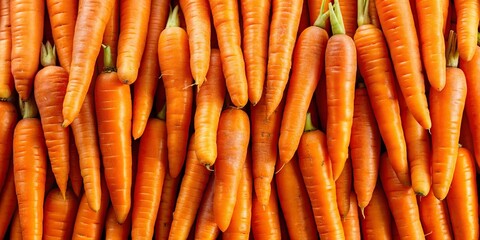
(174, 59)
(75, 174)
(149, 72)
(15, 228)
(282, 37)
(468, 14)
(343, 188)
(114, 230)
(462, 199)
(377, 219)
(209, 104)
(86, 46)
(26, 19)
(351, 222)
(8, 203)
(226, 22)
(6, 79)
(265, 217)
(8, 116)
(349, 15)
(59, 214)
(205, 226)
(167, 205)
(192, 189)
(397, 23)
(434, 217)
(110, 35)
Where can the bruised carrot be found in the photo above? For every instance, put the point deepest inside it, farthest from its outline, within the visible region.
(434, 217)
(59, 214)
(205, 226)
(6, 78)
(265, 217)
(8, 202)
(8, 116)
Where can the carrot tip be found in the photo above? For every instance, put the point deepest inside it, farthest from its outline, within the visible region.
(66, 123)
(362, 210)
(209, 167)
(283, 165)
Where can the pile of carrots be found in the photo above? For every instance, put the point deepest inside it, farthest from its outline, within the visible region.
(225, 119)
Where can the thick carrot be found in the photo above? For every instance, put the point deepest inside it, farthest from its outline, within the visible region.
(265, 217)
(468, 14)
(398, 26)
(295, 203)
(365, 146)
(149, 72)
(49, 89)
(209, 105)
(197, 19)
(315, 167)
(447, 111)
(377, 71)
(8, 203)
(376, 221)
(26, 19)
(63, 16)
(255, 20)
(134, 17)
(205, 226)
(351, 222)
(432, 43)
(462, 199)
(6, 79)
(8, 116)
(434, 217)
(167, 205)
(234, 129)
(86, 46)
(29, 167)
(59, 214)
(174, 59)
(340, 71)
(110, 35)
(308, 64)
(343, 188)
(226, 21)
(75, 174)
(151, 170)
(192, 189)
(114, 230)
(402, 202)
(114, 114)
(282, 37)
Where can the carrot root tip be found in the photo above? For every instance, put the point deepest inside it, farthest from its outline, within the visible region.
(209, 167)
(283, 165)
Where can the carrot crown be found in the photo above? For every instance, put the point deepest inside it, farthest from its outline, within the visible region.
(173, 18)
(309, 124)
(452, 50)
(363, 17)
(47, 55)
(322, 18)
(28, 108)
(336, 19)
(163, 113)
(108, 65)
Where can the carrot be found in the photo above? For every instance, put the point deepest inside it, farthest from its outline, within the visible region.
(88, 33)
(397, 23)
(466, 139)
(63, 16)
(308, 64)
(240, 225)
(462, 199)
(29, 167)
(365, 146)
(197, 18)
(174, 59)
(26, 19)
(377, 219)
(151, 169)
(167, 205)
(114, 114)
(468, 14)
(134, 17)
(447, 111)
(149, 72)
(372, 12)
(89, 224)
(49, 88)
(351, 222)
(315, 166)
(282, 38)
(75, 174)
(59, 214)
(15, 228)
(226, 22)
(8, 202)
(8, 114)
(340, 71)
(432, 44)
(304, 19)
(234, 129)
(205, 226)
(114, 230)
(321, 102)
(349, 15)
(402, 202)
(343, 188)
(434, 217)
(209, 104)
(265, 217)
(6, 79)
(294, 202)
(192, 189)
(446, 7)
(110, 35)
(314, 7)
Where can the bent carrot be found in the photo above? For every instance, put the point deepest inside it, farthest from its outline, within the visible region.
(6, 78)
(110, 35)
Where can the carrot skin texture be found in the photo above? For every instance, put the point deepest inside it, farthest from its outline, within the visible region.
(308, 64)
(462, 199)
(468, 14)
(447, 110)
(8, 116)
(60, 212)
(86, 47)
(233, 128)
(377, 222)
(265, 217)
(114, 230)
(205, 226)
(8, 203)
(6, 78)
(177, 80)
(26, 41)
(434, 217)
(114, 114)
(209, 105)
(397, 23)
(167, 206)
(75, 174)
(349, 15)
(343, 188)
(15, 228)
(351, 222)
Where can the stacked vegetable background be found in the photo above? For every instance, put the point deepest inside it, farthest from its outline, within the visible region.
(206, 119)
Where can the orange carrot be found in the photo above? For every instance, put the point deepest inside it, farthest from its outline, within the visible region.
(265, 217)
(114, 230)
(351, 222)
(8, 203)
(8, 114)
(75, 174)
(167, 205)
(468, 14)
(205, 226)
(59, 214)
(377, 220)
(434, 217)
(110, 35)
(343, 188)
(349, 15)
(6, 79)
(15, 228)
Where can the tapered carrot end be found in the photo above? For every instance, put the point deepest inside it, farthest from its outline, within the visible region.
(263, 189)
(66, 123)
(404, 179)
(362, 210)
(121, 212)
